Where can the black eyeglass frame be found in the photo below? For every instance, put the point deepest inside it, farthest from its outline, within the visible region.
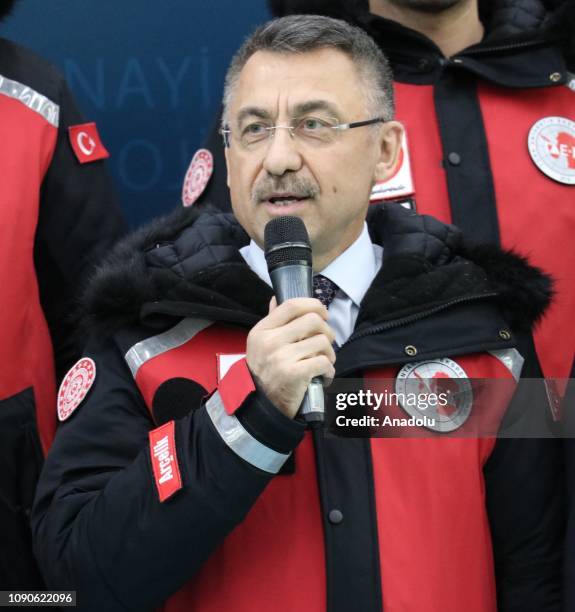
(226, 131)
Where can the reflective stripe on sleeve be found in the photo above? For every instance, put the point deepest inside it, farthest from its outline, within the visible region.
(240, 441)
(32, 99)
(181, 333)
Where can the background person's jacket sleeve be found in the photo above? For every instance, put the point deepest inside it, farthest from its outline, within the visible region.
(79, 221)
(98, 523)
(216, 192)
(525, 497)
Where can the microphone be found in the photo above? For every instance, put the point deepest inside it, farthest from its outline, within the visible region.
(288, 255)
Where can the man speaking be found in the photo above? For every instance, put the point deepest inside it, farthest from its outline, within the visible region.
(182, 474)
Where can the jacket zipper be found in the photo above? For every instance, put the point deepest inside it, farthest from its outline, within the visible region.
(415, 317)
(530, 43)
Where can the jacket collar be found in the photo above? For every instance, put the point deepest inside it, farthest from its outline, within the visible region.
(189, 265)
(513, 27)
(352, 271)
(505, 21)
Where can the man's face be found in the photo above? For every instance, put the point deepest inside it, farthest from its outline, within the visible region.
(327, 184)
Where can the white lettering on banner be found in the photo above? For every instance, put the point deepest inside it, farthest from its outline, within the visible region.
(165, 459)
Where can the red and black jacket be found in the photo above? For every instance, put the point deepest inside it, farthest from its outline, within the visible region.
(57, 217)
(339, 524)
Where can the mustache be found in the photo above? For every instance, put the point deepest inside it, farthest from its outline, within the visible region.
(273, 185)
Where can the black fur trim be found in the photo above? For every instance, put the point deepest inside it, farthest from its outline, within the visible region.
(427, 264)
(189, 256)
(525, 291)
(408, 285)
(122, 283)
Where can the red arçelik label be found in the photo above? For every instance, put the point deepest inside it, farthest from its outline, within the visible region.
(165, 460)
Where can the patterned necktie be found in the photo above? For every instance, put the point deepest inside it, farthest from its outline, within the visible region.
(324, 289)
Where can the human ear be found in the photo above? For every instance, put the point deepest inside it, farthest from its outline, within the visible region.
(389, 142)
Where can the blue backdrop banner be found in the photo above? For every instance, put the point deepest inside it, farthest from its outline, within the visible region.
(150, 75)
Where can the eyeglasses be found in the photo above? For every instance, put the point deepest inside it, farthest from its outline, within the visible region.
(312, 130)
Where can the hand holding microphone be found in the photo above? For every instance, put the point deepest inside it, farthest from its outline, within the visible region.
(291, 349)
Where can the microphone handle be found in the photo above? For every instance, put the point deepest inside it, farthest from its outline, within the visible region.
(294, 281)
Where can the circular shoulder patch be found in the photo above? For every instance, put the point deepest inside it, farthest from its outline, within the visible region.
(438, 389)
(551, 144)
(198, 176)
(75, 387)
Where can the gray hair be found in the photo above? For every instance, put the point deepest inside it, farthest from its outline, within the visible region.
(304, 33)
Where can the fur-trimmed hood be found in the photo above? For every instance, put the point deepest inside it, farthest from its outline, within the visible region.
(188, 264)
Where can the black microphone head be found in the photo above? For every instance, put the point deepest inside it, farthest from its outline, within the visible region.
(286, 241)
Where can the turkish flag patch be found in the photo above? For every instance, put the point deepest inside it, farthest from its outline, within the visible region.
(165, 460)
(86, 143)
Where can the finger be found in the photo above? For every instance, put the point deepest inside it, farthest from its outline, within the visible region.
(310, 347)
(327, 381)
(273, 304)
(278, 342)
(315, 366)
(290, 310)
(304, 327)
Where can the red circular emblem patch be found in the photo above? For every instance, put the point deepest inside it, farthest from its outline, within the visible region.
(437, 376)
(551, 144)
(198, 176)
(75, 387)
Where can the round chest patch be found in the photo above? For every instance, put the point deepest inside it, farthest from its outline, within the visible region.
(442, 390)
(198, 176)
(75, 387)
(551, 144)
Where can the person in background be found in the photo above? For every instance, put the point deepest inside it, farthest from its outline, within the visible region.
(58, 216)
(183, 475)
(486, 92)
